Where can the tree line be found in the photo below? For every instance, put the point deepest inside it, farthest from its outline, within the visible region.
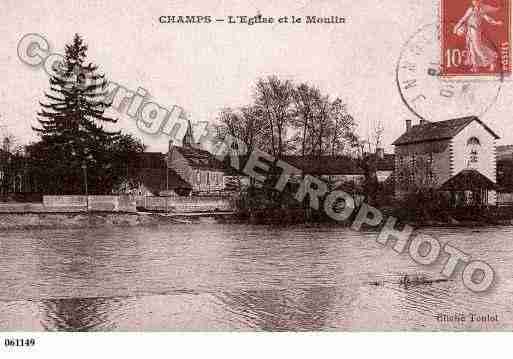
(285, 118)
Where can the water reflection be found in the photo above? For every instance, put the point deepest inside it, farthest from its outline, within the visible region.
(78, 314)
(224, 277)
(282, 310)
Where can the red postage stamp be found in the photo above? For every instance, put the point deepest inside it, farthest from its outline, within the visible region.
(475, 38)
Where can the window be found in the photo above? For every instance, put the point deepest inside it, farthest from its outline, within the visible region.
(473, 156)
(413, 168)
(473, 144)
(473, 141)
(400, 174)
(431, 175)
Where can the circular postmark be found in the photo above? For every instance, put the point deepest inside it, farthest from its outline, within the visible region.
(432, 97)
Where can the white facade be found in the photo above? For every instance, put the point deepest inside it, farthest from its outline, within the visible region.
(474, 147)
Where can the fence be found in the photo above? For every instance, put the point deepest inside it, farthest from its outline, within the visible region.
(185, 204)
(91, 203)
(74, 204)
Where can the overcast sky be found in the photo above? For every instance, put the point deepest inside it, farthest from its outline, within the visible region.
(203, 68)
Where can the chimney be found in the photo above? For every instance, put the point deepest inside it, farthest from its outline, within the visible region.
(380, 153)
(7, 144)
(169, 153)
(408, 125)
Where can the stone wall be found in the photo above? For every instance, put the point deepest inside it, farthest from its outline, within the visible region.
(91, 203)
(78, 204)
(185, 204)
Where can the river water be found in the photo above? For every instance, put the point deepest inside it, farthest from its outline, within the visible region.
(210, 276)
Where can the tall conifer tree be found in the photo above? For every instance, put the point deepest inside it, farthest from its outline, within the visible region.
(73, 138)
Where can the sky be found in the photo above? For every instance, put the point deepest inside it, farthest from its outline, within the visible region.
(205, 67)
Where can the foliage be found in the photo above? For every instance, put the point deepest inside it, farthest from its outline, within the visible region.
(286, 118)
(74, 144)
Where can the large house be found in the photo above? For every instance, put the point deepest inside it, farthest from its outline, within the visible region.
(457, 156)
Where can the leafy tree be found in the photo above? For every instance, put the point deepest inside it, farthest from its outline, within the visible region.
(245, 124)
(285, 119)
(273, 101)
(12, 165)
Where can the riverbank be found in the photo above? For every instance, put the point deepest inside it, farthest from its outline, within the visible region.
(280, 217)
(452, 217)
(10, 221)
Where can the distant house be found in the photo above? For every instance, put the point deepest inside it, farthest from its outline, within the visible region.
(149, 176)
(337, 170)
(504, 152)
(198, 168)
(457, 156)
(201, 170)
(187, 169)
(13, 174)
(505, 174)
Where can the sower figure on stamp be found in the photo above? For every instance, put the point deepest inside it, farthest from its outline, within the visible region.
(480, 54)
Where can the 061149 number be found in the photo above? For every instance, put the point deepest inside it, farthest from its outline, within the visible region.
(20, 342)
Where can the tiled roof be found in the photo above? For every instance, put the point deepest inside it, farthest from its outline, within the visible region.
(432, 131)
(198, 158)
(336, 165)
(325, 165)
(150, 169)
(156, 180)
(468, 179)
(387, 163)
(148, 160)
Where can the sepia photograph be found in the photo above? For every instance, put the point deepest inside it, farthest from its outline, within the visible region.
(175, 167)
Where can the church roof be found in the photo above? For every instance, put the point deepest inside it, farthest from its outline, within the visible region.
(148, 160)
(442, 130)
(198, 158)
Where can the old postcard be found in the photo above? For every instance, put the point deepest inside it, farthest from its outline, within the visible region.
(255, 166)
